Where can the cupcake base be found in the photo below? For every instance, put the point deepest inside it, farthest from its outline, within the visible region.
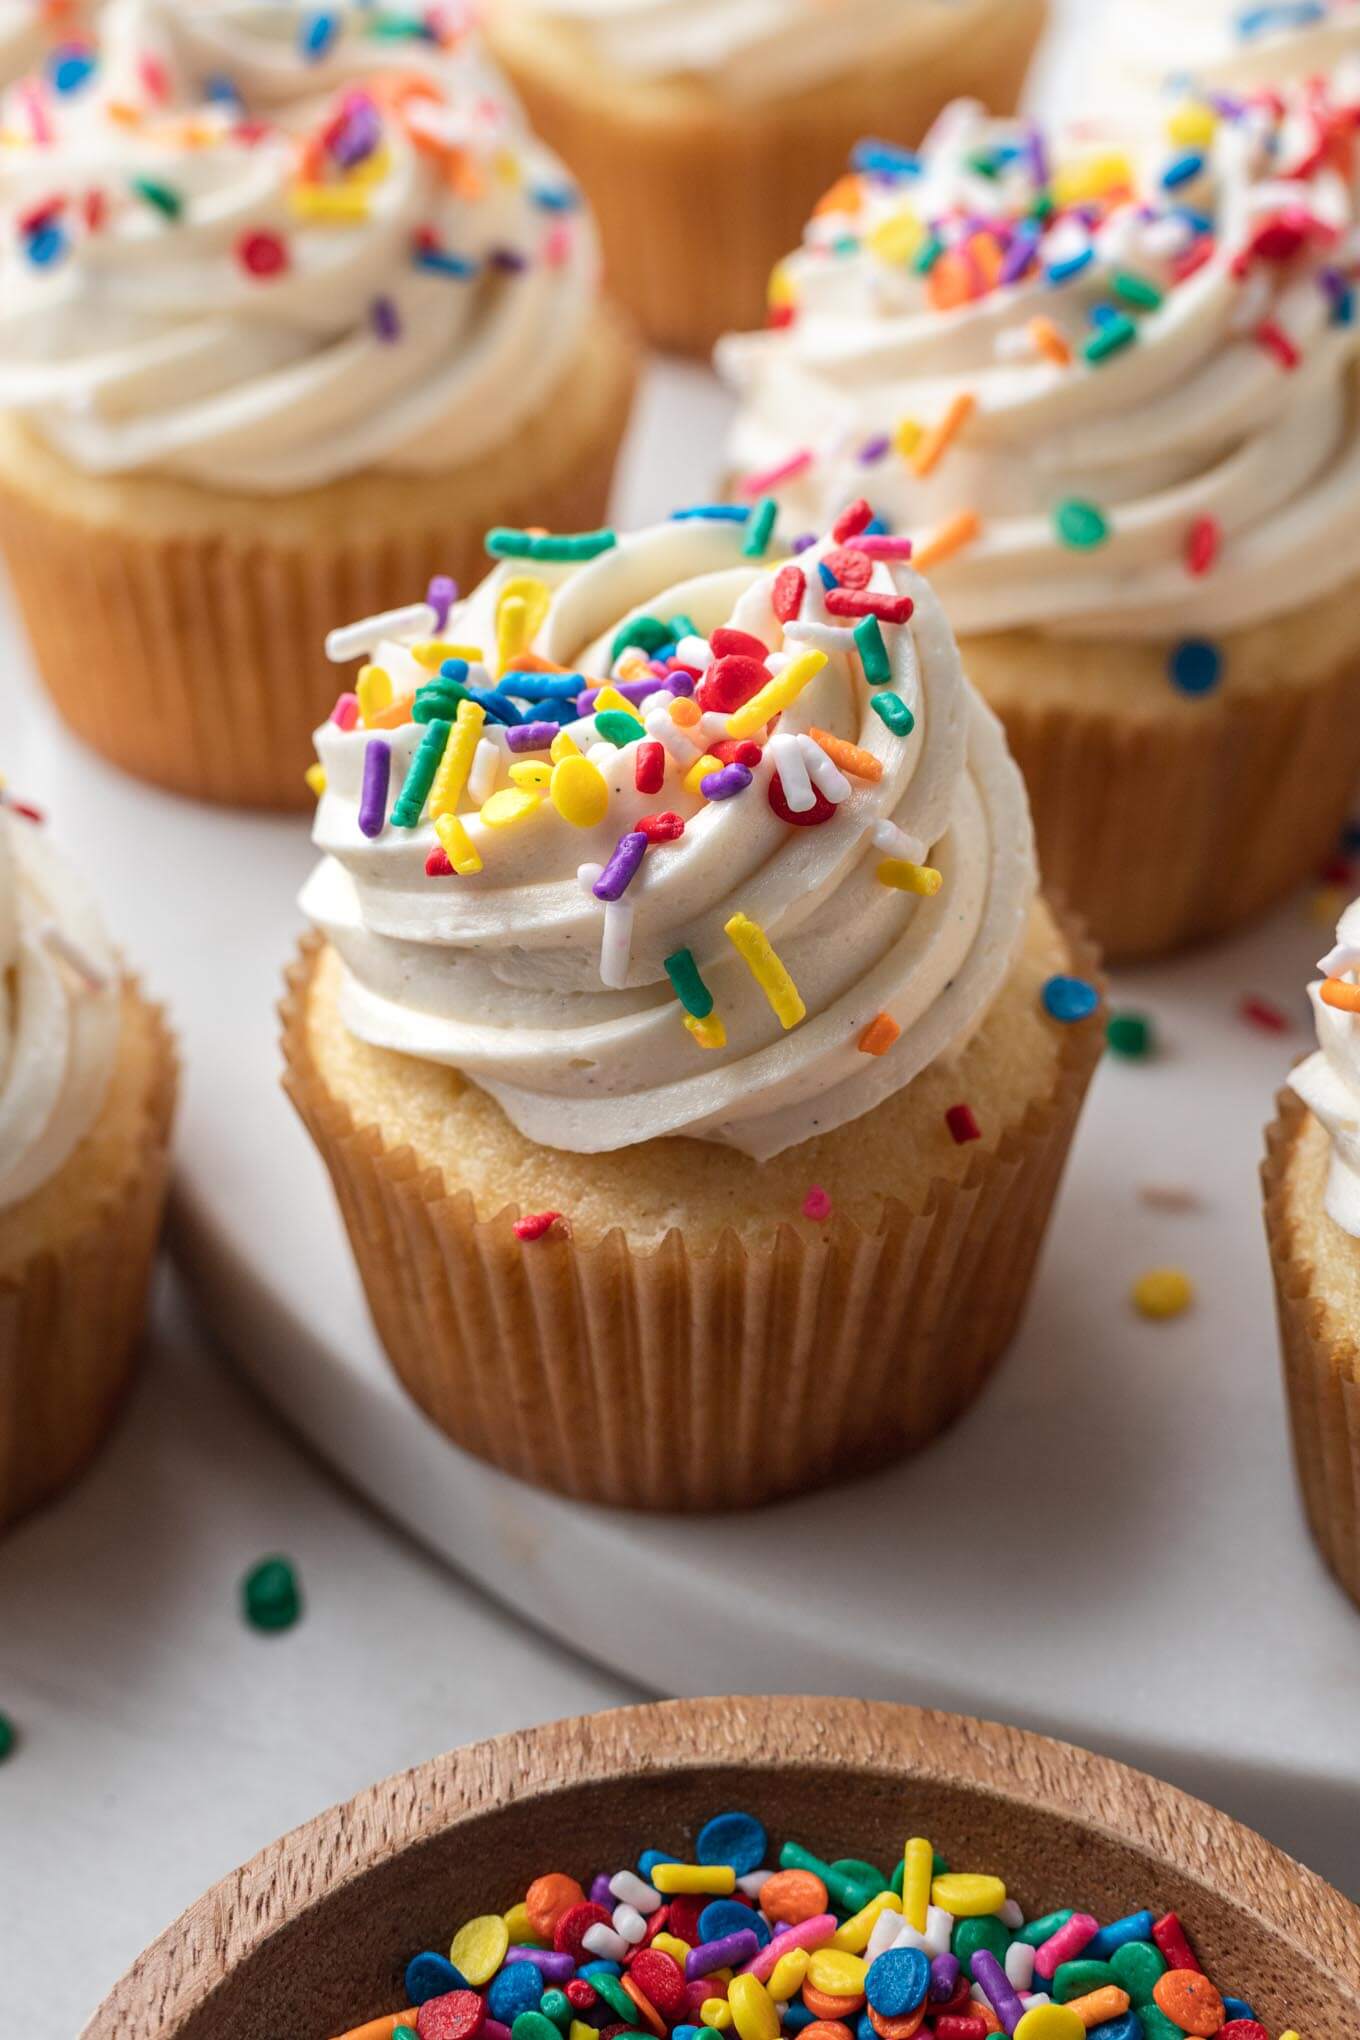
(1317, 1288)
(699, 193)
(180, 631)
(688, 1339)
(1167, 819)
(75, 1265)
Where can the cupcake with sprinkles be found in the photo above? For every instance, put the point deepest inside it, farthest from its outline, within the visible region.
(87, 1086)
(1232, 45)
(703, 130)
(1311, 1177)
(685, 1033)
(1109, 395)
(46, 33)
(275, 346)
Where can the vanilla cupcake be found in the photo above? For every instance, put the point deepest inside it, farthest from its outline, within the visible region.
(267, 365)
(685, 1035)
(1226, 46)
(87, 1084)
(1312, 1200)
(703, 129)
(1111, 398)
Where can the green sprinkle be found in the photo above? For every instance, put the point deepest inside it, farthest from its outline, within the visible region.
(846, 1893)
(688, 985)
(1042, 208)
(165, 199)
(648, 633)
(505, 543)
(1136, 290)
(681, 627)
(873, 653)
(556, 2005)
(1130, 1035)
(1156, 2025)
(891, 709)
(1080, 525)
(533, 2026)
(615, 1996)
(846, 244)
(410, 802)
(1138, 1966)
(1110, 337)
(1078, 1979)
(438, 700)
(927, 255)
(8, 1737)
(760, 530)
(397, 28)
(617, 727)
(1038, 1931)
(971, 1934)
(984, 163)
(403, 2033)
(270, 1596)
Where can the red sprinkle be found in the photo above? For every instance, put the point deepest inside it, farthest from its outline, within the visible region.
(666, 827)
(437, 863)
(153, 75)
(657, 1975)
(780, 315)
(852, 569)
(790, 586)
(575, 1923)
(962, 1125)
(581, 1992)
(1194, 258)
(1272, 336)
(685, 1911)
(649, 769)
(1169, 1935)
(535, 1227)
(1259, 1013)
(817, 1205)
(262, 254)
(1242, 2029)
(730, 682)
(1201, 547)
(811, 818)
(887, 608)
(737, 751)
(740, 644)
(458, 2015)
(851, 522)
(950, 2027)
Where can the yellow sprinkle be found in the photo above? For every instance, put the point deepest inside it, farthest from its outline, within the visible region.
(1163, 1293)
(609, 697)
(579, 2030)
(671, 1944)
(511, 805)
(968, 1894)
(899, 237)
(782, 289)
(457, 845)
(709, 1033)
(521, 608)
(719, 1878)
(753, 2012)
(853, 1934)
(835, 1972)
(451, 775)
(786, 1978)
(374, 689)
(907, 437)
(564, 745)
(905, 877)
(337, 205)
(432, 652)
(1192, 126)
(633, 665)
(579, 791)
(372, 170)
(315, 776)
(918, 1871)
(775, 695)
(717, 2013)
(1078, 183)
(481, 1946)
(530, 773)
(700, 769)
(520, 1930)
(754, 948)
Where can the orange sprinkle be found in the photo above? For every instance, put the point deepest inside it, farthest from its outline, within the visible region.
(936, 438)
(951, 537)
(845, 196)
(650, 2015)
(382, 2029)
(1050, 342)
(1109, 2002)
(859, 764)
(393, 716)
(904, 2028)
(953, 281)
(824, 2004)
(792, 1896)
(1336, 992)
(987, 256)
(879, 1036)
(685, 712)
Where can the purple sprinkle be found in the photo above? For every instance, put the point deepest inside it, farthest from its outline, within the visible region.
(359, 131)
(1038, 156)
(557, 1968)
(680, 682)
(944, 1978)
(346, 710)
(804, 540)
(373, 799)
(441, 595)
(532, 736)
(1019, 257)
(384, 319)
(622, 867)
(632, 690)
(600, 1894)
(509, 260)
(731, 1950)
(1000, 1992)
(723, 784)
(492, 2029)
(874, 449)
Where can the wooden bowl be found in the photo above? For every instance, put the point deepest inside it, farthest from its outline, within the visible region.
(310, 1939)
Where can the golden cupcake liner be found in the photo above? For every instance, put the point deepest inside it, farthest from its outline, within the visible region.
(1168, 833)
(698, 200)
(197, 660)
(672, 1378)
(1321, 1375)
(71, 1317)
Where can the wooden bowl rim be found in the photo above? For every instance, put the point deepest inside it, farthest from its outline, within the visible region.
(237, 1916)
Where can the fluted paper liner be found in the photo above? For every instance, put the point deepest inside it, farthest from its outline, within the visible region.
(72, 1316)
(197, 660)
(670, 1378)
(1321, 1375)
(1165, 834)
(699, 198)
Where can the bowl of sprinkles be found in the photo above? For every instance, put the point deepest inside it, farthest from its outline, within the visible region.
(760, 1869)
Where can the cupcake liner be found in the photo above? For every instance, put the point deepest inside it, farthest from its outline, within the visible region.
(698, 196)
(196, 660)
(1321, 1375)
(1165, 833)
(679, 1379)
(71, 1317)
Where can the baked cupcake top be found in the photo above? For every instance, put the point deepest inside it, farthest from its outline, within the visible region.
(1107, 390)
(778, 866)
(393, 275)
(58, 1008)
(1328, 1081)
(1229, 44)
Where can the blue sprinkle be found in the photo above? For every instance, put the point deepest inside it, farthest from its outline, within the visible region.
(864, 2028)
(516, 1988)
(797, 2016)
(711, 513)
(429, 1976)
(899, 1979)
(1067, 999)
(828, 578)
(649, 1859)
(601, 1966)
(318, 32)
(1135, 1927)
(1182, 169)
(499, 707)
(1128, 2026)
(220, 90)
(877, 527)
(1237, 2008)
(45, 247)
(1198, 222)
(557, 198)
(1256, 21)
(723, 1916)
(1070, 266)
(455, 670)
(1195, 666)
(885, 159)
(542, 686)
(445, 264)
(70, 68)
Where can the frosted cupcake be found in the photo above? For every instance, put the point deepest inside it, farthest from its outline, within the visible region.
(1111, 399)
(56, 33)
(266, 368)
(703, 129)
(1226, 46)
(87, 1083)
(685, 1033)
(1312, 1191)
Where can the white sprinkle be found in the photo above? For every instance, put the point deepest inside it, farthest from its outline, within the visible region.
(352, 640)
(673, 737)
(1339, 960)
(603, 756)
(1020, 1965)
(830, 638)
(826, 774)
(886, 1929)
(887, 836)
(616, 947)
(604, 1942)
(1010, 1915)
(789, 763)
(656, 704)
(625, 1885)
(587, 875)
(754, 1882)
(486, 765)
(73, 956)
(628, 1921)
(694, 651)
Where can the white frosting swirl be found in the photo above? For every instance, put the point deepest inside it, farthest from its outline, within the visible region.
(1328, 1081)
(58, 1011)
(1195, 425)
(750, 49)
(498, 974)
(396, 278)
(1231, 44)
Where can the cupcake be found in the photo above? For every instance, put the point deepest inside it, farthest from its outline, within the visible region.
(1228, 47)
(265, 365)
(702, 130)
(87, 1085)
(692, 1054)
(1312, 1193)
(1110, 396)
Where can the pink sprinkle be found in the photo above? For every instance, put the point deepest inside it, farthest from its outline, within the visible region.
(1261, 1013)
(760, 485)
(817, 1205)
(1066, 1944)
(883, 546)
(556, 250)
(346, 712)
(813, 1933)
(538, 1224)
